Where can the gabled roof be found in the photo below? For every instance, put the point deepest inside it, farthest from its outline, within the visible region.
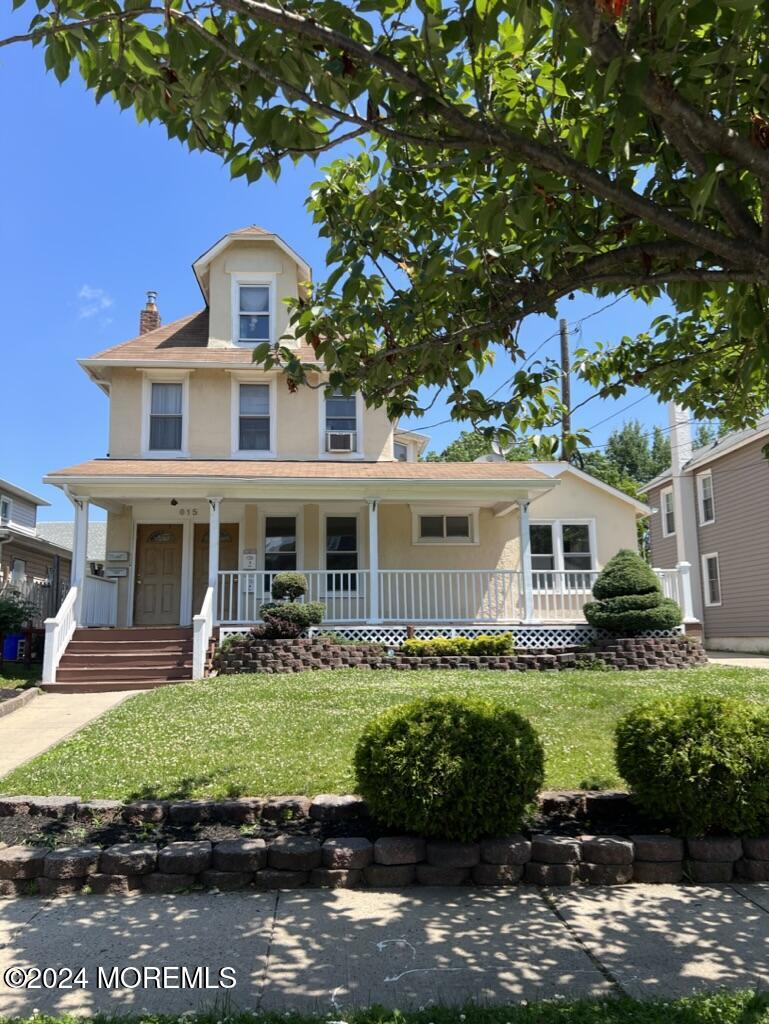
(62, 534)
(251, 233)
(710, 452)
(557, 469)
(6, 487)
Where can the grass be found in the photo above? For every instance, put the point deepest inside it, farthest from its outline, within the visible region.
(16, 675)
(713, 1008)
(267, 735)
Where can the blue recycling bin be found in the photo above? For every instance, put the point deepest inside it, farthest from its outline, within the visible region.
(11, 645)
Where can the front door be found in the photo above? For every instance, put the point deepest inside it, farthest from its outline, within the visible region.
(158, 575)
(228, 558)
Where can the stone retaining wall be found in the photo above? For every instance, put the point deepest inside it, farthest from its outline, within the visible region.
(391, 862)
(271, 656)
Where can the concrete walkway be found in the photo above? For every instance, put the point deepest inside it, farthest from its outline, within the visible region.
(739, 660)
(328, 951)
(47, 720)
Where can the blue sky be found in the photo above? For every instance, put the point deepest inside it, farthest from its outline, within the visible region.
(97, 209)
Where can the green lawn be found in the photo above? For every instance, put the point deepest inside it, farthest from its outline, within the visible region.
(716, 1008)
(17, 676)
(266, 735)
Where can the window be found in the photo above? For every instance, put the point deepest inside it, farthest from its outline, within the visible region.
(341, 552)
(401, 451)
(5, 510)
(445, 528)
(253, 313)
(341, 424)
(668, 514)
(279, 545)
(254, 418)
(561, 547)
(166, 417)
(711, 579)
(705, 500)
(18, 570)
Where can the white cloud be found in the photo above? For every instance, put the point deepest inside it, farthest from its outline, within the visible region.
(92, 301)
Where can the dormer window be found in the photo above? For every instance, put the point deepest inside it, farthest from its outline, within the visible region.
(341, 423)
(253, 309)
(400, 451)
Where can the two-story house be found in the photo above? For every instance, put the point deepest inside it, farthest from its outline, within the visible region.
(219, 475)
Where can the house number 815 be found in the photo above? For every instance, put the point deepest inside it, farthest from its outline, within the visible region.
(188, 512)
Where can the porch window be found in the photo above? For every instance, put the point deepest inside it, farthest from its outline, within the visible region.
(280, 544)
(711, 578)
(254, 418)
(341, 553)
(166, 417)
(445, 528)
(341, 422)
(705, 499)
(668, 513)
(253, 313)
(561, 547)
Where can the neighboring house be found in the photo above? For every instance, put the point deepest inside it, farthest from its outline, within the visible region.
(711, 509)
(62, 534)
(219, 475)
(32, 565)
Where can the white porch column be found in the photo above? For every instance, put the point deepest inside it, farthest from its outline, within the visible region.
(213, 542)
(528, 585)
(373, 560)
(684, 570)
(79, 552)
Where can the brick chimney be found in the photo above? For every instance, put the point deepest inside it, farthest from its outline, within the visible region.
(149, 317)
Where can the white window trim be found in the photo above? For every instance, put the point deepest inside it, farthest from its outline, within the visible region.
(445, 510)
(9, 499)
(701, 498)
(165, 377)
(266, 512)
(665, 531)
(339, 456)
(558, 553)
(342, 511)
(409, 450)
(265, 278)
(705, 592)
(249, 378)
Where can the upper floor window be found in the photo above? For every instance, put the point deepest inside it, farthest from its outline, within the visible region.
(166, 416)
(401, 451)
(668, 513)
(341, 422)
(5, 510)
(705, 501)
(254, 418)
(253, 313)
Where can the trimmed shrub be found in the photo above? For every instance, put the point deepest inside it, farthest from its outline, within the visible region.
(288, 586)
(449, 768)
(700, 764)
(630, 599)
(286, 621)
(458, 646)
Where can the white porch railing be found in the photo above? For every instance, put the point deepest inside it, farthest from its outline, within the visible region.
(58, 633)
(99, 602)
(428, 595)
(202, 628)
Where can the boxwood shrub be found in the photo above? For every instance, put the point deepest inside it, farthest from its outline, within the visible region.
(700, 764)
(286, 621)
(454, 646)
(629, 598)
(450, 768)
(288, 586)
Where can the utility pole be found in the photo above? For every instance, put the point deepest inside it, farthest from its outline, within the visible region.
(565, 384)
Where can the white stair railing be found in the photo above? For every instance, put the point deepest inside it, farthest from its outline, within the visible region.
(202, 630)
(58, 633)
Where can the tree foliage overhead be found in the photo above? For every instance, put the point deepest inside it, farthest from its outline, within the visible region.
(511, 154)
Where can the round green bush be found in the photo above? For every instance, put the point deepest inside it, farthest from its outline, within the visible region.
(625, 573)
(288, 586)
(665, 615)
(699, 764)
(449, 768)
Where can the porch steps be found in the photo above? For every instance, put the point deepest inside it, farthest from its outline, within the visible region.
(137, 658)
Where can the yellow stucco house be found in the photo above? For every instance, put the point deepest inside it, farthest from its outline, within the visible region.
(218, 476)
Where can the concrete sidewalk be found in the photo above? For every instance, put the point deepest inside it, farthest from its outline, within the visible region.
(738, 660)
(326, 952)
(47, 720)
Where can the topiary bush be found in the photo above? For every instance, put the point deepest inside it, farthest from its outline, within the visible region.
(288, 586)
(449, 768)
(629, 598)
(700, 764)
(286, 621)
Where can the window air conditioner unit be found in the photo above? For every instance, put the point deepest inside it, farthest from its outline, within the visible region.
(340, 441)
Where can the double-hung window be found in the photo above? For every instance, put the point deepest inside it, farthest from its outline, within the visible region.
(279, 546)
(341, 553)
(705, 500)
(166, 416)
(341, 422)
(668, 512)
(711, 579)
(561, 548)
(254, 418)
(253, 313)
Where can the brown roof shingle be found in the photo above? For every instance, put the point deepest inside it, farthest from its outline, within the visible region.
(185, 340)
(244, 469)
